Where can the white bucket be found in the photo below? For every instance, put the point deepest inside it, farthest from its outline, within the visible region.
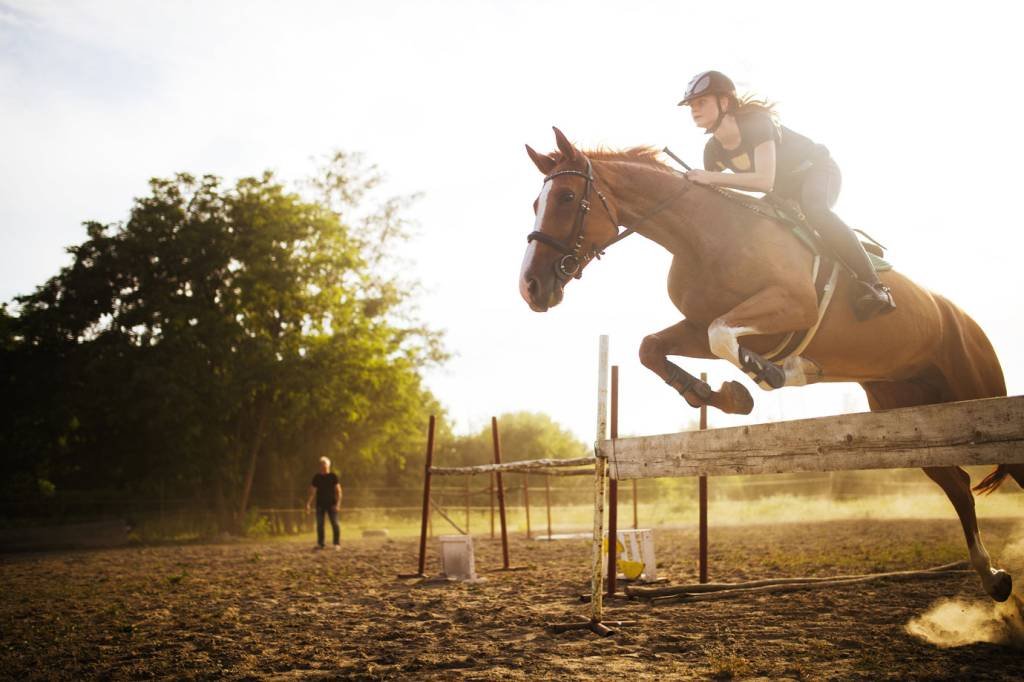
(457, 561)
(637, 547)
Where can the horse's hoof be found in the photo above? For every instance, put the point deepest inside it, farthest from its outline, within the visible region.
(1002, 586)
(739, 397)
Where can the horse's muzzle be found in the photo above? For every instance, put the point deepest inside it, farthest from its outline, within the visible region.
(540, 293)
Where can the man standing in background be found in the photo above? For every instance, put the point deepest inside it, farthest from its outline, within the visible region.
(327, 489)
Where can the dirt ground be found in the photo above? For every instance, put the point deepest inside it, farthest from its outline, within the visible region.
(277, 610)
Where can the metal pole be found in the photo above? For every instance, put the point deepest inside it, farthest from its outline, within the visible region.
(613, 492)
(596, 604)
(426, 497)
(467, 504)
(526, 502)
(702, 484)
(501, 492)
(547, 500)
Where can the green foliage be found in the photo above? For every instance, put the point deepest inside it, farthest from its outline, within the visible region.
(524, 435)
(257, 525)
(218, 343)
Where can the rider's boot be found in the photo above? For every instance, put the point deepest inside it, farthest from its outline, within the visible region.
(870, 297)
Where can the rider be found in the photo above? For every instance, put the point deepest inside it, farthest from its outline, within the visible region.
(767, 157)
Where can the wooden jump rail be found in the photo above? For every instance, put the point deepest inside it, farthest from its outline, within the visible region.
(985, 431)
(523, 465)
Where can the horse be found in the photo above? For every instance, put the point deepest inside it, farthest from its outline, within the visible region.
(738, 273)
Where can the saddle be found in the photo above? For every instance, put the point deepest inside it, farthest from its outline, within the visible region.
(826, 267)
(789, 213)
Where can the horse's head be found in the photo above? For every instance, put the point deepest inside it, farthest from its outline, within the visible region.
(567, 234)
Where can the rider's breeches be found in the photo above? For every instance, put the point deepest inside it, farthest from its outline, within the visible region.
(818, 195)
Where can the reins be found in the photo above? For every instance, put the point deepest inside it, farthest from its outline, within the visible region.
(573, 260)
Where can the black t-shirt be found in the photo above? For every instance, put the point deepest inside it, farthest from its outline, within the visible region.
(325, 494)
(794, 153)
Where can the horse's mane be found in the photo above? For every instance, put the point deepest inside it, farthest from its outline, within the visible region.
(647, 156)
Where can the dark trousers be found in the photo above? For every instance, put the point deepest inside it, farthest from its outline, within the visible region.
(335, 528)
(818, 195)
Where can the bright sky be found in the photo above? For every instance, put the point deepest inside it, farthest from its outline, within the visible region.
(917, 101)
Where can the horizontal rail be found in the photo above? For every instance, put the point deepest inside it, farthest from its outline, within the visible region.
(524, 465)
(568, 472)
(987, 431)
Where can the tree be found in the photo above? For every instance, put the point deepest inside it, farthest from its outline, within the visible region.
(217, 330)
(524, 435)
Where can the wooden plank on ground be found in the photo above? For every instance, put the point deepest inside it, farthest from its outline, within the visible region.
(988, 431)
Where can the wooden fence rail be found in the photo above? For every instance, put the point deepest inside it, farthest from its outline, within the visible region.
(986, 431)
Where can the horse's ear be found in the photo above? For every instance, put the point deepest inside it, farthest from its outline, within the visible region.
(545, 164)
(568, 151)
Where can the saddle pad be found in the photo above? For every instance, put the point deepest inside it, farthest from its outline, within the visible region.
(788, 213)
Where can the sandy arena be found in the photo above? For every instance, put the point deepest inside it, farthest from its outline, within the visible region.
(276, 610)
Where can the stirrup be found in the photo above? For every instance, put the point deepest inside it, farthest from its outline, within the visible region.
(760, 370)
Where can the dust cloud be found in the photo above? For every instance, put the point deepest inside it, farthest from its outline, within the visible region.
(956, 622)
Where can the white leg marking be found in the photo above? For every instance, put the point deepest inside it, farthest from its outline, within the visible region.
(724, 340)
(982, 562)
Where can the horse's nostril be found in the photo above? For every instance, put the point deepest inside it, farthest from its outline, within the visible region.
(533, 287)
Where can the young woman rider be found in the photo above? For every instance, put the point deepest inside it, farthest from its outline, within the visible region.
(767, 157)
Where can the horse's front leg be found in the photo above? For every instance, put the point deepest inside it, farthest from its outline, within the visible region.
(773, 310)
(691, 340)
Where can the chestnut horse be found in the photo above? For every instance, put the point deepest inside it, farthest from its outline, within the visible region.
(736, 274)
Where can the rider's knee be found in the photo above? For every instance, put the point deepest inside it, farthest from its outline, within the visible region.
(651, 353)
(818, 215)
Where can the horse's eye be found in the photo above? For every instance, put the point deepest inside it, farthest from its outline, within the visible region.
(567, 197)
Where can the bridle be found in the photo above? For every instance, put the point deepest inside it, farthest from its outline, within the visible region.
(573, 260)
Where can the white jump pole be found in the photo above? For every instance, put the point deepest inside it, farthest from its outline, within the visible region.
(596, 623)
(600, 469)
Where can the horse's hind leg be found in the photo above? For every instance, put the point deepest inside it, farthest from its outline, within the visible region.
(957, 485)
(1017, 472)
(929, 388)
(691, 340)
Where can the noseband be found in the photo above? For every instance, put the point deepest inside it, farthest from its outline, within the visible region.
(573, 260)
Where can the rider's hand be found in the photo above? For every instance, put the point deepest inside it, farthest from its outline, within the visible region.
(701, 177)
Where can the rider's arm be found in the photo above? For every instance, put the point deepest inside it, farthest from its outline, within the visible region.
(761, 179)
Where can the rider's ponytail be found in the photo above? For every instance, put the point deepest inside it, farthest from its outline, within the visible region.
(752, 103)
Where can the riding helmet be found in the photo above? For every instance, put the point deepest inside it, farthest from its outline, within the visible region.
(708, 83)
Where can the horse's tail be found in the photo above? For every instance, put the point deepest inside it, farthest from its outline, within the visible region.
(992, 481)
